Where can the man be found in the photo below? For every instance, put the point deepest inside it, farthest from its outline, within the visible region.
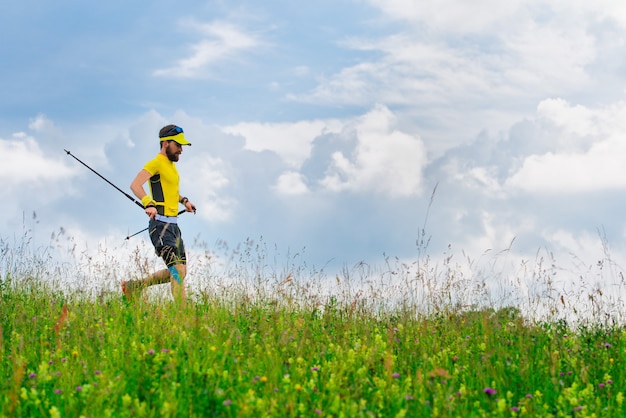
(161, 206)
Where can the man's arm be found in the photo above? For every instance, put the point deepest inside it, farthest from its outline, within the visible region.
(137, 188)
(189, 207)
(137, 185)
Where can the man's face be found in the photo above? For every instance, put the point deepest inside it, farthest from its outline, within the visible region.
(173, 150)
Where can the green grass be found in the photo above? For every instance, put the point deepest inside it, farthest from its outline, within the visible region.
(236, 356)
(414, 340)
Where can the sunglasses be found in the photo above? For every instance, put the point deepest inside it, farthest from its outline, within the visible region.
(174, 131)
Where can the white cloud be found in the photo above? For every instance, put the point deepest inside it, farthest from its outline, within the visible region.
(385, 160)
(588, 250)
(601, 168)
(42, 124)
(291, 183)
(460, 16)
(453, 15)
(532, 61)
(291, 141)
(517, 53)
(221, 41)
(548, 56)
(207, 177)
(22, 161)
(582, 121)
(302, 71)
(593, 162)
(482, 178)
(409, 69)
(497, 234)
(32, 180)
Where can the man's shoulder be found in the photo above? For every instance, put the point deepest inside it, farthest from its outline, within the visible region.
(154, 163)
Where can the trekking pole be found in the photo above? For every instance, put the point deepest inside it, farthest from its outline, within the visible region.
(138, 203)
(145, 229)
(99, 175)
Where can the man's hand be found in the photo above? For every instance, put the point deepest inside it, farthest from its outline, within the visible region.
(151, 211)
(190, 207)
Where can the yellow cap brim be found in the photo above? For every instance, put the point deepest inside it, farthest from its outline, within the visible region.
(180, 138)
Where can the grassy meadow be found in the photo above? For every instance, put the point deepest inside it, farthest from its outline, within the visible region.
(269, 343)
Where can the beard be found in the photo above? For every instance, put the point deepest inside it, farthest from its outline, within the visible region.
(172, 156)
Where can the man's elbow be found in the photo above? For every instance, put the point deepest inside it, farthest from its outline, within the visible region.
(135, 187)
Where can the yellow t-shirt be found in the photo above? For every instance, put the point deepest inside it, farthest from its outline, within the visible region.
(164, 184)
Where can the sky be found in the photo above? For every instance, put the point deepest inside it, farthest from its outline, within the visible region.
(344, 131)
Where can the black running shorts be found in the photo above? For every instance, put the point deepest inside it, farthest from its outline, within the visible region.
(168, 242)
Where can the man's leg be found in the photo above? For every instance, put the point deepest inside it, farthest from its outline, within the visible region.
(169, 245)
(177, 280)
(130, 287)
(174, 275)
(160, 277)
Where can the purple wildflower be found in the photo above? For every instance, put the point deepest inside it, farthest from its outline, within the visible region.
(58, 391)
(395, 375)
(79, 388)
(150, 352)
(227, 402)
(97, 372)
(32, 375)
(490, 391)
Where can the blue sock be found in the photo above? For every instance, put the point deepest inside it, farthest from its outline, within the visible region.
(175, 274)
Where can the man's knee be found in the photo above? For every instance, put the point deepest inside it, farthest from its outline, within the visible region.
(176, 274)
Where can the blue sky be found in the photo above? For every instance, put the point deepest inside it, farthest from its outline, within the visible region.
(325, 125)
